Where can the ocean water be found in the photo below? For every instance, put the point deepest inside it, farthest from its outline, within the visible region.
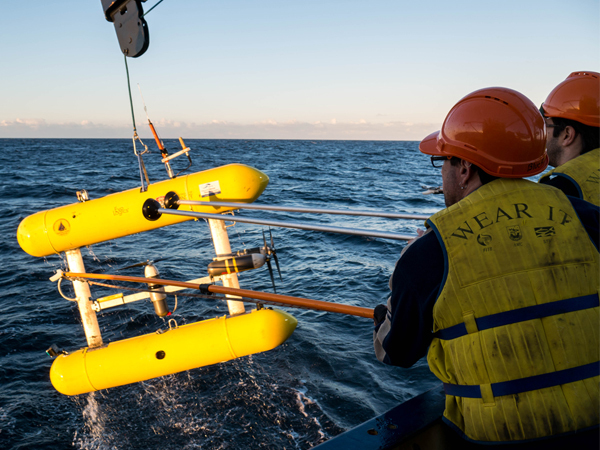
(324, 380)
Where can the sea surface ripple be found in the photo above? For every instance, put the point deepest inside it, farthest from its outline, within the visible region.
(325, 379)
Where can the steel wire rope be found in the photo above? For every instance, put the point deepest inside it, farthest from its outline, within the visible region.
(142, 167)
(147, 12)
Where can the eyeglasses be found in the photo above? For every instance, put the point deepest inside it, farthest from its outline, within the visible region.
(560, 127)
(438, 165)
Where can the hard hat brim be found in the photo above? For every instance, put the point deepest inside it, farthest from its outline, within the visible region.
(429, 144)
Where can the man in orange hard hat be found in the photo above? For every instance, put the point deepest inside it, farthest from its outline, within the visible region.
(572, 113)
(501, 291)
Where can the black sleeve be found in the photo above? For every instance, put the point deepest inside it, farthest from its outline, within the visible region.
(415, 286)
(589, 214)
(564, 184)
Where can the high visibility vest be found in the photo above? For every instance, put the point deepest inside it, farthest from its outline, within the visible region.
(584, 173)
(517, 319)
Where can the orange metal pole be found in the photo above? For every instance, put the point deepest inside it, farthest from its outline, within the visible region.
(277, 298)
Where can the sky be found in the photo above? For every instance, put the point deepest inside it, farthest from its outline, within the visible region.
(254, 69)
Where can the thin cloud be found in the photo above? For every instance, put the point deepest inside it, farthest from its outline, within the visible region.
(23, 123)
(223, 129)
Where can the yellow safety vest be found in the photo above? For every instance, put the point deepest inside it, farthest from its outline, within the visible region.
(584, 172)
(517, 321)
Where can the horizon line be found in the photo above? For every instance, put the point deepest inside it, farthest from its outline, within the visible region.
(215, 139)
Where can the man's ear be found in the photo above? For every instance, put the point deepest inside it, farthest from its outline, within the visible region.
(569, 136)
(468, 171)
(464, 166)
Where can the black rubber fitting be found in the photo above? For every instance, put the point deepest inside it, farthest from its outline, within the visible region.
(203, 288)
(150, 210)
(171, 200)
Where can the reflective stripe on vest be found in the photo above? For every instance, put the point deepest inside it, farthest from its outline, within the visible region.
(521, 315)
(533, 383)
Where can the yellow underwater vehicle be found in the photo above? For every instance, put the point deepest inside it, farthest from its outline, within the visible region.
(207, 194)
(99, 366)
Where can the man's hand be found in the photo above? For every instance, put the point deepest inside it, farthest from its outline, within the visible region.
(419, 234)
(379, 314)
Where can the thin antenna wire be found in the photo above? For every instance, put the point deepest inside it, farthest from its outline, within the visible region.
(143, 102)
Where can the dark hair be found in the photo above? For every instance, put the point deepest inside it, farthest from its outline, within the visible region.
(484, 177)
(590, 136)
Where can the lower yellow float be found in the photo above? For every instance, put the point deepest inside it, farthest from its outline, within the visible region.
(175, 350)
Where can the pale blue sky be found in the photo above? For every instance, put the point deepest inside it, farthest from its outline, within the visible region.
(281, 69)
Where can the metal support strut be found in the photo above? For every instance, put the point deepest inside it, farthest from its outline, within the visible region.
(83, 295)
(221, 243)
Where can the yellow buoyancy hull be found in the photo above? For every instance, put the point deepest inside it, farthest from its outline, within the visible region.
(117, 215)
(178, 349)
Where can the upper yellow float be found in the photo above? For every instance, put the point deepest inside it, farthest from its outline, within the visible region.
(117, 215)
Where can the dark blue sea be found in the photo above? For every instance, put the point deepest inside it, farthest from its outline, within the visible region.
(324, 380)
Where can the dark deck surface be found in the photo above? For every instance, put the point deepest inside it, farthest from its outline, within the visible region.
(420, 415)
(417, 425)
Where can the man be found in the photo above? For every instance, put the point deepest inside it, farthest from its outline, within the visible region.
(572, 112)
(503, 286)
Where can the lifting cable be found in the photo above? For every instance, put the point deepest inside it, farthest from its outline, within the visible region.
(143, 173)
(144, 15)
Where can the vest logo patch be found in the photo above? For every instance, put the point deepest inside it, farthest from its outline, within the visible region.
(544, 231)
(594, 178)
(515, 211)
(484, 239)
(483, 220)
(514, 233)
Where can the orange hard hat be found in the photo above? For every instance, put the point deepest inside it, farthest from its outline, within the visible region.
(497, 129)
(577, 98)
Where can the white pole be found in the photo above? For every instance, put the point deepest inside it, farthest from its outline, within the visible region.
(222, 246)
(83, 294)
